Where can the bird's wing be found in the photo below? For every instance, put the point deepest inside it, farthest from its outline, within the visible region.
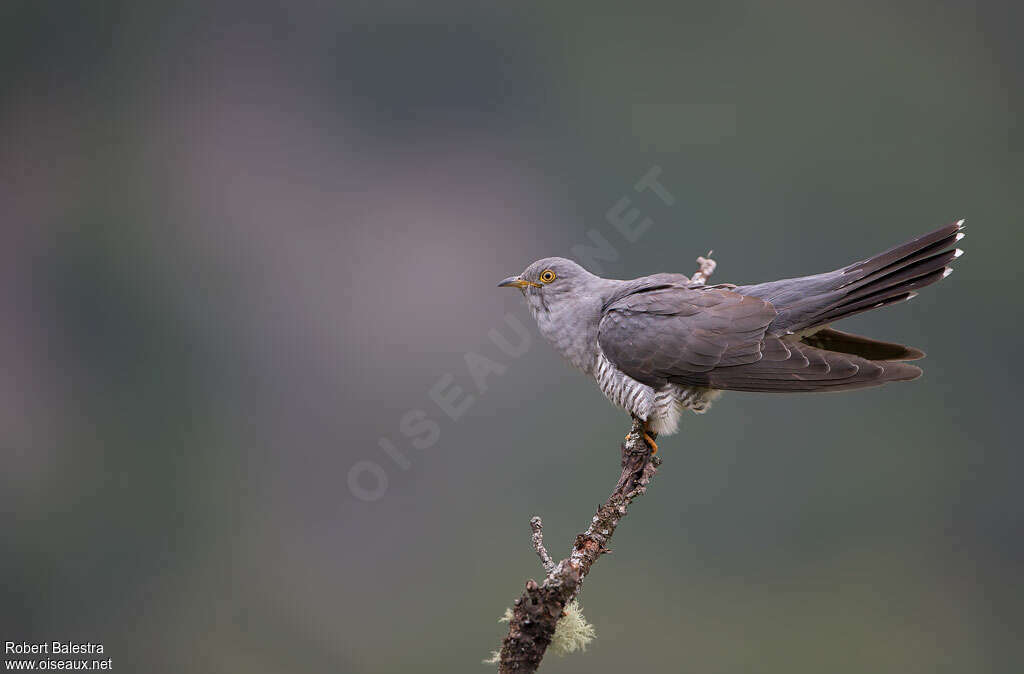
(715, 337)
(662, 333)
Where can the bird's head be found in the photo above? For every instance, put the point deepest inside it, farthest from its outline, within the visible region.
(567, 301)
(554, 282)
(550, 277)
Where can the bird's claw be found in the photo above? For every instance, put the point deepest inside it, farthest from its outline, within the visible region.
(648, 436)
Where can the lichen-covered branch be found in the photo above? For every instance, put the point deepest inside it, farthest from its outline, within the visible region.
(538, 609)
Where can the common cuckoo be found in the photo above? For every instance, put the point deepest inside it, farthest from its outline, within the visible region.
(661, 344)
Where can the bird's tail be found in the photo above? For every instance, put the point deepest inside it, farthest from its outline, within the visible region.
(893, 276)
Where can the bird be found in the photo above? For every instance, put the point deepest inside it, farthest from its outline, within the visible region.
(663, 344)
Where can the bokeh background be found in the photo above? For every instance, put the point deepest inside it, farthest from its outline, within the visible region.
(242, 241)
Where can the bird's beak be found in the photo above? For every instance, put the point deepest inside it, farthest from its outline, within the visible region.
(517, 282)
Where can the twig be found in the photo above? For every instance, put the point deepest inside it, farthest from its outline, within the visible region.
(539, 608)
(707, 268)
(538, 544)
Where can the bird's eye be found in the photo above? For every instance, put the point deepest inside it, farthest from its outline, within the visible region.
(547, 276)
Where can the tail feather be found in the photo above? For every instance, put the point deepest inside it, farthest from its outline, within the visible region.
(865, 347)
(897, 293)
(813, 301)
(940, 238)
(894, 279)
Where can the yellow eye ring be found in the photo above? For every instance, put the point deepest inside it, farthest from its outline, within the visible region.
(547, 276)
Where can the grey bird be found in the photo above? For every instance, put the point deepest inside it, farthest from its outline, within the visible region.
(661, 344)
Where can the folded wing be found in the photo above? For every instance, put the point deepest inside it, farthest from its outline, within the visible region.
(716, 337)
(673, 332)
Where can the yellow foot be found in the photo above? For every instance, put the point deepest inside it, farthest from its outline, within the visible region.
(650, 441)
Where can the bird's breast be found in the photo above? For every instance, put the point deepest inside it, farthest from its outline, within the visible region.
(621, 389)
(576, 343)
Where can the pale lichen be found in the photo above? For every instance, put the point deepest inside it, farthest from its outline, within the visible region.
(496, 655)
(572, 633)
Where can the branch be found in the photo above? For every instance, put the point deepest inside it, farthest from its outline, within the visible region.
(537, 611)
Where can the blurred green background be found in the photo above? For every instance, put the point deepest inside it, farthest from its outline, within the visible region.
(242, 241)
